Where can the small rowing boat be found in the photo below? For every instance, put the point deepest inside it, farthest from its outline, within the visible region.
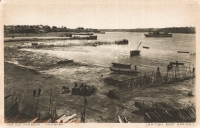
(182, 52)
(145, 47)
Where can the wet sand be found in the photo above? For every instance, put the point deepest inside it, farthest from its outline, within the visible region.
(100, 108)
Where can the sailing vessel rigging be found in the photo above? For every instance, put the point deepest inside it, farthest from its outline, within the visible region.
(135, 52)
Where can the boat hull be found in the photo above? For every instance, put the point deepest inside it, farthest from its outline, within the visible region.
(182, 52)
(135, 53)
(159, 35)
(126, 71)
(119, 65)
(145, 47)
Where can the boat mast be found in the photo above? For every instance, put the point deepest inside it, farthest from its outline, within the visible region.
(138, 46)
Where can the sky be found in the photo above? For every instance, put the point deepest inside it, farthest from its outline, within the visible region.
(102, 14)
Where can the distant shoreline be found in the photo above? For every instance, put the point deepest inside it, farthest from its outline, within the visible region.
(147, 30)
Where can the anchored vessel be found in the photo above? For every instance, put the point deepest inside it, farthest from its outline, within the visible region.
(158, 34)
(135, 52)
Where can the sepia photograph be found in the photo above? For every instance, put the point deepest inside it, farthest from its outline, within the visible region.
(107, 61)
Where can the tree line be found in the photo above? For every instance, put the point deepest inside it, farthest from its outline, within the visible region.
(170, 30)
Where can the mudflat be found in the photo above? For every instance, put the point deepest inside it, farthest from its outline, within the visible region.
(44, 74)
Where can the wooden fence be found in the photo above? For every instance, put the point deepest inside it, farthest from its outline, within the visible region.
(175, 74)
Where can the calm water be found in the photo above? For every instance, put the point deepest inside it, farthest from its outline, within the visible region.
(161, 50)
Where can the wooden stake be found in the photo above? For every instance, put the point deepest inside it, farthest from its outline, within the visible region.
(143, 109)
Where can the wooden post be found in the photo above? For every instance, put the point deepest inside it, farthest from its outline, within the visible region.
(85, 105)
(189, 66)
(12, 104)
(182, 74)
(193, 72)
(172, 74)
(50, 102)
(140, 80)
(143, 110)
(52, 106)
(84, 116)
(32, 108)
(175, 73)
(38, 114)
(131, 83)
(55, 111)
(36, 108)
(153, 76)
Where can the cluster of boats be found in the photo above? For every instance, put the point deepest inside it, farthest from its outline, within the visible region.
(150, 34)
(126, 68)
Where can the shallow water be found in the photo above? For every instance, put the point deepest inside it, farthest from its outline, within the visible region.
(161, 50)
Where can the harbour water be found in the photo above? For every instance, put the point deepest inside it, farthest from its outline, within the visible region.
(161, 50)
(98, 59)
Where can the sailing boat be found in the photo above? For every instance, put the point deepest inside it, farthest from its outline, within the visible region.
(135, 52)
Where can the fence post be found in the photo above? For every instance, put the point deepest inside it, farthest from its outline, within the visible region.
(143, 110)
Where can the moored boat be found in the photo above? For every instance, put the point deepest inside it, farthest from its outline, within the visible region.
(182, 52)
(135, 52)
(158, 34)
(145, 47)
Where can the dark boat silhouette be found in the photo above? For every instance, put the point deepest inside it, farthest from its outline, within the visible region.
(145, 47)
(120, 65)
(158, 34)
(123, 68)
(126, 71)
(182, 52)
(135, 52)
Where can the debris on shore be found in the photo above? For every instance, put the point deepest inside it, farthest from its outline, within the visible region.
(164, 112)
(83, 90)
(64, 90)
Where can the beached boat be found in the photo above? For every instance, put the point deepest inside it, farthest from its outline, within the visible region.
(120, 65)
(182, 52)
(135, 52)
(123, 70)
(65, 61)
